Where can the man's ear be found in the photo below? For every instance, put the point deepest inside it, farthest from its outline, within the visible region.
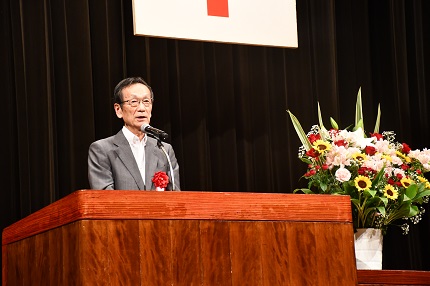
(118, 110)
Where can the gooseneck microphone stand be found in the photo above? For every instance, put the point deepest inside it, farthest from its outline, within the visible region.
(161, 146)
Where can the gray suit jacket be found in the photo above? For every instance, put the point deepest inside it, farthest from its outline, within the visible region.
(111, 165)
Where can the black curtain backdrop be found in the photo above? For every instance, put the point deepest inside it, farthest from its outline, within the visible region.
(224, 105)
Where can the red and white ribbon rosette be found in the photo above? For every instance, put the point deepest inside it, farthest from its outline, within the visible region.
(160, 180)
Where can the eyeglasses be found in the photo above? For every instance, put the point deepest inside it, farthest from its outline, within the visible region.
(135, 102)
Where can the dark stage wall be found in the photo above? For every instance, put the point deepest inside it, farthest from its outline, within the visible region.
(223, 105)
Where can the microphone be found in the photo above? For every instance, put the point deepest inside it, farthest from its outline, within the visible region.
(160, 134)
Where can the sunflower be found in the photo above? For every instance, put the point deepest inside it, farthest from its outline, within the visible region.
(422, 179)
(322, 146)
(425, 181)
(359, 157)
(391, 192)
(362, 183)
(388, 158)
(406, 182)
(406, 158)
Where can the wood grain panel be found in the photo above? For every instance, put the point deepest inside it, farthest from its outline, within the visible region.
(72, 255)
(301, 240)
(275, 256)
(123, 249)
(90, 204)
(332, 266)
(183, 238)
(156, 252)
(186, 252)
(94, 252)
(393, 277)
(41, 257)
(14, 270)
(55, 257)
(4, 266)
(215, 252)
(245, 245)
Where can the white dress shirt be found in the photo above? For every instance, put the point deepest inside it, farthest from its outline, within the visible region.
(138, 149)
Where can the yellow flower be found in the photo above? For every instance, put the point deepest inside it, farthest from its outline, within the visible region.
(321, 146)
(390, 192)
(362, 183)
(359, 157)
(406, 158)
(406, 182)
(425, 181)
(388, 158)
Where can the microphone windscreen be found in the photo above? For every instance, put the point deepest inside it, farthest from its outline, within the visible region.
(143, 127)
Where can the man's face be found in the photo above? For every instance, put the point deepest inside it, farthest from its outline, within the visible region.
(135, 117)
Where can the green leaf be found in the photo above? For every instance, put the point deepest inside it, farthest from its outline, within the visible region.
(411, 192)
(384, 200)
(305, 191)
(302, 135)
(404, 210)
(378, 120)
(323, 186)
(355, 202)
(378, 177)
(358, 112)
(359, 124)
(375, 201)
(306, 160)
(422, 194)
(381, 210)
(372, 193)
(369, 210)
(413, 211)
(320, 119)
(334, 123)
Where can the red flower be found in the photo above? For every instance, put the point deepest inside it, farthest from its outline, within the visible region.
(365, 171)
(314, 137)
(160, 180)
(370, 150)
(377, 136)
(405, 148)
(310, 173)
(341, 143)
(312, 153)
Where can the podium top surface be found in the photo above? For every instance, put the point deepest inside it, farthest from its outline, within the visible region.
(115, 205)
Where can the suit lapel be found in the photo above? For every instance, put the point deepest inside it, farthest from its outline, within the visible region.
(126, 156)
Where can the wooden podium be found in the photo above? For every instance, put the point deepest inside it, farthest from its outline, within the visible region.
(183, 238)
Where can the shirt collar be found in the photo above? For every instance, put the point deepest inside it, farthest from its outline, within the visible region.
(132, 138)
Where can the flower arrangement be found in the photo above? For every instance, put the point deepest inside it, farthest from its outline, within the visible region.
(384, 178)
(160, 180)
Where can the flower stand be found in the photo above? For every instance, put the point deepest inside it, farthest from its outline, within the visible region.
(368, 248)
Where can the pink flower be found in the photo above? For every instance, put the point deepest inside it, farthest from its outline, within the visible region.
(342, 175)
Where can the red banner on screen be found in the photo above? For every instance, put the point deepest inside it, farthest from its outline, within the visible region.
(218, 8)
